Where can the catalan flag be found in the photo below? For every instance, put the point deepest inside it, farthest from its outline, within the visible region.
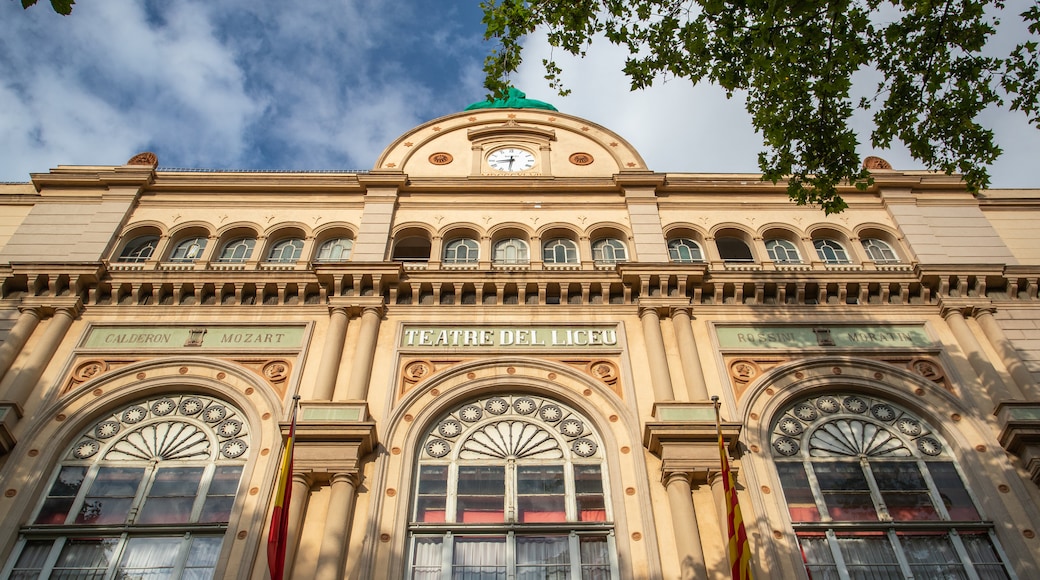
(279, 534)
(739, 550)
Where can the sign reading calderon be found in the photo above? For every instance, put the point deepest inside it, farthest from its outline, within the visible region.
(196, 337)
(508, 336)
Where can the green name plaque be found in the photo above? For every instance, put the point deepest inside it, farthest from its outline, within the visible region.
(880, 336)
(195, 337)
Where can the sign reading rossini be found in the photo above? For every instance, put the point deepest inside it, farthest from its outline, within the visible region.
(508, 336)
(848, 336)
(204, 337)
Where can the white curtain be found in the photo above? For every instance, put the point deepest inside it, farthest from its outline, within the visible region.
(870, 558)
(479, 559)
(595, 559)
(426, 558)
(932, 557)
(987, 561)
(539, 558)
(149, 558)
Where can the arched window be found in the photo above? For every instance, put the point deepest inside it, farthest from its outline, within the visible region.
(734, 250)
(609, 251)
(783, 252)
(560, 251)
(286, 251)
(146, 492)
(511, 251)
(461, 251)
(335, 250)
(684, 250)
(139, 249)
(874, 491)
(188, 250)
(237, 251)
(511, 486)
(831, 252)
(879, 251)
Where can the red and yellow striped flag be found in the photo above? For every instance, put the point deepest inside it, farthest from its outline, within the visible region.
(739, 549)
(279, 535)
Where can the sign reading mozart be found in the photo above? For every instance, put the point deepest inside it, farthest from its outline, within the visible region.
(508, 336)
(197, 337)
(879, 336)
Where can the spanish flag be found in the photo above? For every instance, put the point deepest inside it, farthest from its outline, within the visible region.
(739, 550)
(279, 535)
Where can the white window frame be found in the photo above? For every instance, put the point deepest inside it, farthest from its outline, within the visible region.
(327, 252)
(552, 248)
(782, 251)
(520, 248)
(831, 251)
(278, 251)
(609, 251)
(139, 249)
(237, 251)
(461, 251)
(676, 247)
(189, 249)
(880, 251)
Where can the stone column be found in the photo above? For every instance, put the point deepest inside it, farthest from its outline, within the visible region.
(1008, 355)
(331, 560)
(718, 493)
(301, 495)
(25, 379)
(19, 335)
(691, 362)
(995, 388)
(654, 342)
(684, 520)
(361, 370)
(328, 370)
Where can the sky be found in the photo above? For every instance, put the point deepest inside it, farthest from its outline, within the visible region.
(327, 84)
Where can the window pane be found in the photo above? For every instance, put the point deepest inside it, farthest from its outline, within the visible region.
(542, 557)
(61, 496)
(819, 561)
(904, 491)
(430, 504)
(481, 494)
(172, 496)
(221, 495)
(479, 559)
(932, 556)
(595, 558)
(870, 556)
(800, 502)
(30, 561)
(110, 496)
(202, 558)
(426, 559)
(984, 556)
(85, 558)
(845, 491)
(540, 493)
(952, 492)
(588, 490)
(150, 558)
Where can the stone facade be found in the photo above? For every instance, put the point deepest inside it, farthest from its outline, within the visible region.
(512, 372)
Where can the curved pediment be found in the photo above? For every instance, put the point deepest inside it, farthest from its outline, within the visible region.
(544, 143)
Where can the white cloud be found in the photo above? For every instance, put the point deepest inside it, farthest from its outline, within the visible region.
(680, 128)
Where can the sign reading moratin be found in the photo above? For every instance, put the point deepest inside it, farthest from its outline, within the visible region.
(879, 336)
(508, 337)
(197, 337)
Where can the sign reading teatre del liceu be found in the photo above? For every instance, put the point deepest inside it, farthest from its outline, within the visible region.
(508, 336)
(195, 337)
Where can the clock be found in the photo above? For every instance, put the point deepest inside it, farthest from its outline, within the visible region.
(510, 159)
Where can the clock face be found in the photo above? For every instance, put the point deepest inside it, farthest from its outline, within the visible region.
(510, 159)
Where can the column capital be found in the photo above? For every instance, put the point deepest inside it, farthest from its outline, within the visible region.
(680, 310)
(303, 477)
(71, 305)
(350, 477)
(31, 309)
(983, 310)
(669, 477)
(963, 306)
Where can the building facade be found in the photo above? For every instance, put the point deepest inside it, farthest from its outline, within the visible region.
(506, 338)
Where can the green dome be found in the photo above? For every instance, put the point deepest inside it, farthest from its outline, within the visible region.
(516, 100)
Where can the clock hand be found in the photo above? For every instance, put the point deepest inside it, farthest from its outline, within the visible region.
(511, 159)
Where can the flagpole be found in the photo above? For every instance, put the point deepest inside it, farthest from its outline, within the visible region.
(279, 535)
(738, 549)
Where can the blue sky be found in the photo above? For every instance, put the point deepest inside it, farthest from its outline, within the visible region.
(327, 84)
